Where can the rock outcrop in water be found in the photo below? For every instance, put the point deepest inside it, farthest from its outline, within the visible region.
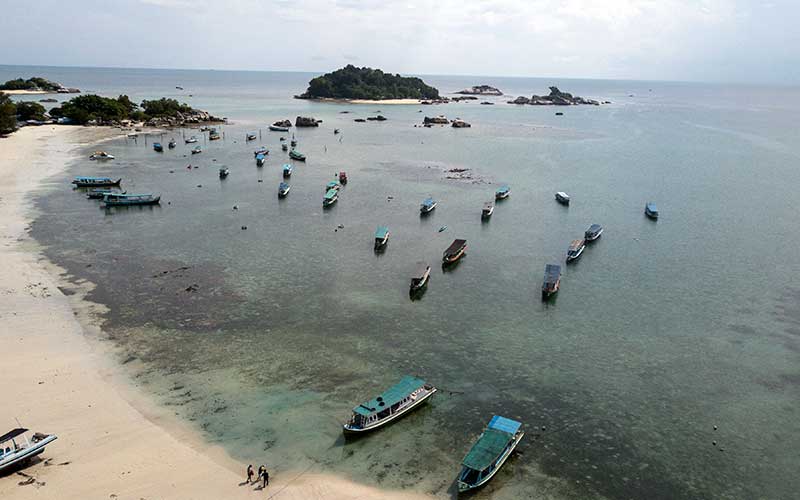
(283, 123)
(555, 98)
(435, 120)
(306, 121)
(480, 90)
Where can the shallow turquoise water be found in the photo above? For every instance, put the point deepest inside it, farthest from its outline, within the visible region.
(660, 332)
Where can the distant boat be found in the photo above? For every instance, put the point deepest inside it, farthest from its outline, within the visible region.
(332, 185)
(205, 128)
(294, 142)
(343, 177)
(190, 140)
(489, 452)
(275, 128)
(260, 160)
(179, 87)
(251, 136)
(443, 229)
(16, 448)
(559, 113)
(502, 193)
(157, 147)
(331, 197)
(95, 182)
(392, 404)
(285, 147)
(197, 150)
(651, 210)
(283, 190)
(421, 276)
(124, 200)
(213, 135)
(261, 151)
(427, 206)
(287, 170)
(562, 198)
(454, 252)
(297, 155)
(99, 193)
(594, 232)
(381, 237)
(575, 250)
(488, 210)
(172, 144)
(552, 280)
(100, 155)
(223, 172)
(335, 131)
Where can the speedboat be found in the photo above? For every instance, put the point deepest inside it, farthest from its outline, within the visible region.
(427, 206)
(172, 144)
(502, 193)
(420, 277)
(390, 405)
(101, 155)
(251, 136)
(223, 172)
(575, 250)
(594, 232)
(197, 150)
(157, 147)
(489, 452)
(17, 448)
(488, 210)
(651, 210)
(259, 160)
(562, 198)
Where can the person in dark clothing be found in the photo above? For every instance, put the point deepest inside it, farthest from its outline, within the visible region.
(265, 478)
(250, 473)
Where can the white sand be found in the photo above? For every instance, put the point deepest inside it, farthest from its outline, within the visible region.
(26, 92)
(369, 101)
(112, 441)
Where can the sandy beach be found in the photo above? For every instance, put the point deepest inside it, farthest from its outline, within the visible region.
(369, 101)
(58, 377)
(26, 92)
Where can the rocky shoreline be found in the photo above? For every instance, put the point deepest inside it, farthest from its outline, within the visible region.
(556, 98)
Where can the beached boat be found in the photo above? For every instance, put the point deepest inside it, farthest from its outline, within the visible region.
(594, 232)
(261, 151)
(427, 206)
(651, 210)
(260, 160)
(297, 155)
(552, 280)
(489, 452)
(331, 197)
(381, 237)
(332, 185)
(251, 136)
(213, 135)
(488, 210)
(392, 404)
(502, 193)
(562, 198)
(126, 200)
(100, 193)
(172, 144)
(284, 147)
(95, 182)
(223, 172)
(420, 277)
(100, 155)
(287, 170)
(157, 147)
(343, 177)
(275, 128)
(16, 448)
(454, 252)
(197, 150)
(190, 140)
(575, 250)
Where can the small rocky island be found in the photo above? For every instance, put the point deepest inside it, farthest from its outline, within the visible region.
(37, 85)
(480, 90)
(556, 98)
(93, 109)
(351, 83)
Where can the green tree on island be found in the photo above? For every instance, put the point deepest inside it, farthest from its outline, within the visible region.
(27, 110)
(351, 82)
(8, 115)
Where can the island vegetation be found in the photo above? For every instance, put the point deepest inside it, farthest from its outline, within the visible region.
(8, 115)
(95, 109)
(36, 84)
(351, 82)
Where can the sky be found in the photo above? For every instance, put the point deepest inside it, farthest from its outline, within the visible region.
(690, 40)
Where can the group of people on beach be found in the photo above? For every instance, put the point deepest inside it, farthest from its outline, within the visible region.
(263, 475)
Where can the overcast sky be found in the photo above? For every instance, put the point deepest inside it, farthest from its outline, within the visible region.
(710, 40)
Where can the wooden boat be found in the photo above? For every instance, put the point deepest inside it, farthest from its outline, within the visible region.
(489, 452)
(157, 147)
(502, 193)
(421, 276)
(260, 160)
(297, 155)
(172, 144)
(213, 135)
(251, 136)
(261, 151)
(332, 185)
(285, 147)
(223, 172)
(651, 210)
(287, 170)
(100, 155)
(331, 197)
(552, 280)
(275, 128)
(197, 150)
(283, 190)
(16, 448)
(454, 252)
(594, 232)
(294, 142)
(427, 206)
(389, 406)
(95, 182)
(343, 177)
(381, 237)
(99, 194)
(562, 198)
(575, 250)
(190, 140)
(488, 210)
(126, 200)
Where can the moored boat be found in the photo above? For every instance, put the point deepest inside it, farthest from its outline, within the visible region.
(283, 190)
(213, 135)
(172, 144)
(331, 197)
(284, 147)
(99, 193)
(125, 200)
(421, 276)
(251, 136)
(157, 147)
(562, 198)
(297, 155)
(594, 232)
(260, 160)
(332, 185)
(454, 252)
(392, 404)
(294, 142)
(190, 140)
(489, 452)
(261, 151)
(427, 206)
(287, 170)
(16, 448)
(651, 210)
(343, 177)
(381, 237)
(502, 193)
(275, 128)
(575, 250)
(95, 182)
(223, 172)
(488, 210)
(101, 155)
(552, 280)
(197, 150)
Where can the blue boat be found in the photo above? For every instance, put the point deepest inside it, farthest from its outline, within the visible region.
(502, 193)
(331, 197)
(332, 185)
(427, 206)
(157, 147)
(283, 190)
(287, 170)
(381, 237)
(489, 452)
(651, 210)
(552, 280)
(392, 404)
(95, 182)
(260, 160)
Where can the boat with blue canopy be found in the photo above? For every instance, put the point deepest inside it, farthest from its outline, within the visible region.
(260, 160)
(96, 181)
(381, 237)
(127, 200)
(261, 151)
(392, 404)
(502, 193)
(332, 185)
(283, 190)
(331, 197)
(489, 452)
(427, 206)
(287, 170)
(157, 147)
(651, 210)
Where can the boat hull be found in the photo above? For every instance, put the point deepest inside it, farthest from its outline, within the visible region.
(154, 201)
(97, 184)
(464, 487)
(29, 453)
(575, 256)
(592, 236)
(351, 431)
(452, 259)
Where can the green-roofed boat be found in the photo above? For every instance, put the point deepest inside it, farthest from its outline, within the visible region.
(395, 402)
(489, 453)
(331, 197)
(381, 237)
(297, 155)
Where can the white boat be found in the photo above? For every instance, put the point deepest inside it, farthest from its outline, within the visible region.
(488, 210)
(191, 140)
(562, 198)
(575, 250)
(16, 447)
(101, 155)
(489, 453)
(395, 402)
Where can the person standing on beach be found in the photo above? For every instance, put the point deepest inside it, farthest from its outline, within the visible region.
(250, 473)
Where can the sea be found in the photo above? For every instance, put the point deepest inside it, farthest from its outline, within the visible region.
(667, 367)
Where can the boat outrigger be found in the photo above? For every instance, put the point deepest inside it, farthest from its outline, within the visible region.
(260, 160)
(502, 193)
(594, 232)
(392, 404)
(100, 155)
(157, 147)
(489, 452)
(95, 182)
(127, 200)
(488, 210)
(223, 172)
(651, 210)
(16, 447)
(297, 155)
(562, 198)
(454, 252)
(421, 276)
(575, 250)
(552, 280)
(427, 206)
(283, 190)
(287, 170)
(331, 197)
(381, 237)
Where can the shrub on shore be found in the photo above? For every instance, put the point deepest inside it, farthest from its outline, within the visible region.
(8, 115)
(30, 111)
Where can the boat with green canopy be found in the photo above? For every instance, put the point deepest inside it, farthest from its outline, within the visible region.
(331, 197)
(381, 237)
(297, 155)
(392, 404)
(489, 452)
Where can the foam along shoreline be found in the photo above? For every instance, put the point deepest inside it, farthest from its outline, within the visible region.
(58, 377)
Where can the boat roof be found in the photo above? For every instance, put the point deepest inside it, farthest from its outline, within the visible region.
(455, 246)
(330, 194)
(552, 272)
(428, 201)
(381, 232)
(421, 268)
(575, 244)
(651, 206)
(491, 443)
(12, 434)
(332, 184)
(260, 156)
(562, 194)
(286, 166)
(390, 396)
(595, 227)
(80, 178)
(503, 188)
(283, 185)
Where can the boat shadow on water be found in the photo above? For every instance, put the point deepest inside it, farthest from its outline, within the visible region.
(417, 293)
(449, 267)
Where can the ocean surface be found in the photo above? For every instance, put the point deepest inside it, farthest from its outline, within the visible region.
(668, 367)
